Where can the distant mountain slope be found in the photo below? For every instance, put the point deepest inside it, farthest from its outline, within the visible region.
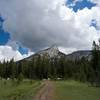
(79, 54)
(53, 52)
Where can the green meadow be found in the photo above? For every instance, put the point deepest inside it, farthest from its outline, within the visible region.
(24, 91)
(72, 90)
(64, 90)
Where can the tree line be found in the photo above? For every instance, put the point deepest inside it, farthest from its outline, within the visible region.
(42, 68)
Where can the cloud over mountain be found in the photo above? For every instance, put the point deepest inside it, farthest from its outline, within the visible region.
(41, 23)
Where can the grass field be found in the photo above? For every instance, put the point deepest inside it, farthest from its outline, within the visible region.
(71, 90)
(24, 91)
(64, 90)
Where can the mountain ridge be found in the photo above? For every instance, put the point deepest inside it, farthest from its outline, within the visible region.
(53, 52)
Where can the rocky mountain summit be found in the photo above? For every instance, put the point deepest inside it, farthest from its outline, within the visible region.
(50, 53)
(53, 52)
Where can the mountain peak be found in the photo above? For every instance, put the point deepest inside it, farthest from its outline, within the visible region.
(51, 52)
(54, 47)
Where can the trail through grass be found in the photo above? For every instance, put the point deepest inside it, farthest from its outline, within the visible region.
(64, 90)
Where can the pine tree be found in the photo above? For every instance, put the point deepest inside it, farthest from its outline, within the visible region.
(96, 62)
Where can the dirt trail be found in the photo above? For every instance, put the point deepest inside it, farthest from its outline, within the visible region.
(46, 93)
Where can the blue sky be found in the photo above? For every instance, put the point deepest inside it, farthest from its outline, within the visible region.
(94, 24)
(23, 50)
(5, 37)
(81, 4)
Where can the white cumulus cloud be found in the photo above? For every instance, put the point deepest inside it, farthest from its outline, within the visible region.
(7, 53)
(41, 23)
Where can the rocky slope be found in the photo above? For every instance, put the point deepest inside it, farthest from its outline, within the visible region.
(79, 54)
(53, 52)
(50, 53)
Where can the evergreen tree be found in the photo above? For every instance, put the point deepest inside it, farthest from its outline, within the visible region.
(96, 62)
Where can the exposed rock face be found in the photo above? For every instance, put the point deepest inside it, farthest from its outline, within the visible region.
(53, 52)
(50, 52)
